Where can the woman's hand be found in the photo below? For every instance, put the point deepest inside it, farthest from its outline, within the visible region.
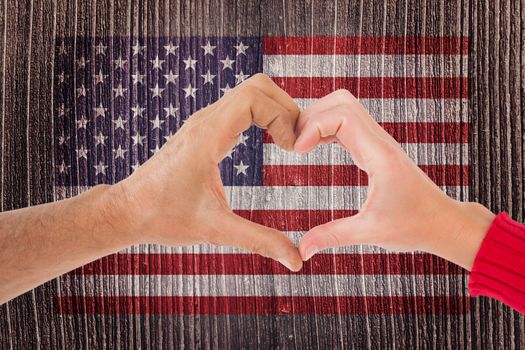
(177, 197)
(404, 210)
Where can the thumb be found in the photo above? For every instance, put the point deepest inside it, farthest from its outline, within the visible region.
(337, 233)
(239, 232)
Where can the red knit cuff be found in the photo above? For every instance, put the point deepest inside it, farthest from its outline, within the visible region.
(499, 268)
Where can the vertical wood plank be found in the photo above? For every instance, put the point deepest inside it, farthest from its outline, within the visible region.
(497, 139)
(24, 326)
(40, 157)
(5, 322)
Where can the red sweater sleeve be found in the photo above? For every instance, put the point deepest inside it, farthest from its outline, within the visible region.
(499, 268)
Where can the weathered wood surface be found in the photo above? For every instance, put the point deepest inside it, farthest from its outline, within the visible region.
(497, 157)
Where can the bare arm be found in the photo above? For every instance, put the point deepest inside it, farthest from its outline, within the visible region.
(176, 198)
(45, 241)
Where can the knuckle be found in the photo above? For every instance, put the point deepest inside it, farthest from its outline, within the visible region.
(260, 77)
(343, 95)
(248, 94)
(285, 139)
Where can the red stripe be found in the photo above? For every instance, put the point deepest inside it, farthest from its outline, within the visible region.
(420, 132)
(366, 45)
(252, 264)
(351, 175)
(376, 87)
(327, 305)
(293, 220)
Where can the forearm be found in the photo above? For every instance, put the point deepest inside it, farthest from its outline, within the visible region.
(42, 242)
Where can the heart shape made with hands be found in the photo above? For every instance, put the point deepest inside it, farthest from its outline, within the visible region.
(186, 203)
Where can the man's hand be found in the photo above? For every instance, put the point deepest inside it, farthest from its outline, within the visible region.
(177, 197)
(404, 210)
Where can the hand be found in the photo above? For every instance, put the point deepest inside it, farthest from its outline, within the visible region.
(404, 210)
(177, 197)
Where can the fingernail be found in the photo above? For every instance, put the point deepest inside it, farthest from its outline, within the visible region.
(286, 263)
(310, 252)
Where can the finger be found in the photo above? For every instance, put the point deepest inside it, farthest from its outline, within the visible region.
(238, 232)
(367, 148)
(340, 97)
(337, 233)
(272, 90)
(243, 108)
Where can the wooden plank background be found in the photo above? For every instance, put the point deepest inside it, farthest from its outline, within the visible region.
(497, 156)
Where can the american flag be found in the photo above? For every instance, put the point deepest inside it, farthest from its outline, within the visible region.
(118, 99)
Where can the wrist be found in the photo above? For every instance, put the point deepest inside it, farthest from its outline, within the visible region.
(461, 232)
(115, 220)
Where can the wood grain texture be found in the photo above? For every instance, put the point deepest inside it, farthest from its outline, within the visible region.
(27, 49)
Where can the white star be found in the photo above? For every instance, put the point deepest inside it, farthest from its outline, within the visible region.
(156, 123)
(81, 91)
(229, 154)
(138, 139)
(171, 111)
(157, 63)
(120, 153)
(119, 123)
(62, 110)
(190, 91)
(167, 137)
(241, 49)
(241, 140)
(62, 50)
(99, 78)
(170, 77)
(119, 63)
(208, 77)
(61, 78)
(100, 111)
(82, 122)
(170, 48)
(101, 48)
(208, 49)
(190, 63)
(155, 150)
(137, 110)
(62, 168)
(241, 168)
(81, 62)
(137, 78)
(157, 91)
(62, 139)
(239, 78)
(100, 139)
(227, 63)
(137, 49)
(82, 152)
(119, 91)
(135, 166)
(226, 88)
(100, 168)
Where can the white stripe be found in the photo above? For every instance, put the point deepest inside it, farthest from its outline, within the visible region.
(262, 285)
(305, 197)
(333, 154)
(410, 109)
(365, 65)
(295, 236)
